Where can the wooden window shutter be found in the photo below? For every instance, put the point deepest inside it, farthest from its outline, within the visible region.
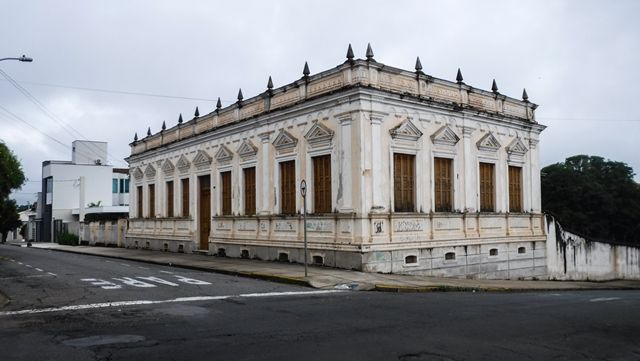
(487, 187)
(288, 187)
(185, 197)
(139, 201)
(226, 193)
(404, 182)
(322, 184)
(250, 191)
(515, 189)
(170, 199)
(443, 176)
(152, 200)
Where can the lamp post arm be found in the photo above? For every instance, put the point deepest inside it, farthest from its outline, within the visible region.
(22, 58)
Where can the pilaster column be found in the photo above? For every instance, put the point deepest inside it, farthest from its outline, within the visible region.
(345, 185)
(535, 186)
(469, 196)
(266, 181)
(376, 163)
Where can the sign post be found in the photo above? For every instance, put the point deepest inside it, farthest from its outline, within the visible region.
(303, 191)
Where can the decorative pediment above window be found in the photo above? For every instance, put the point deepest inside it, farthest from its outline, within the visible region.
(167, 167)
(223, 154)
(247, 150)
(183, 164)
(488, 143)
(137, 173)
(284, 142)
(202, 159)
(406, 131)
(319, 135)
(150, 171)
(517, 147)
(445, 136)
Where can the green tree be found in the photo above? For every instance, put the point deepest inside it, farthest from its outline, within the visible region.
(11, 177)
(593, 197)
(9, 218)
(11, 174)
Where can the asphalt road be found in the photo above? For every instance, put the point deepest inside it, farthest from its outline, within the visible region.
(77, 307)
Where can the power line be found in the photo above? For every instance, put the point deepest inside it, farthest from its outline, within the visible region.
(51, 115)
(590, 119)
(123, 92)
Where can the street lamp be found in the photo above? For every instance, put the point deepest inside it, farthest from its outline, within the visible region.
(23, 58)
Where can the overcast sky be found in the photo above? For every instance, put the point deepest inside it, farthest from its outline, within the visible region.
(578, 60)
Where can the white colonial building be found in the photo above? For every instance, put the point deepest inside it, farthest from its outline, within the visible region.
(406, 173)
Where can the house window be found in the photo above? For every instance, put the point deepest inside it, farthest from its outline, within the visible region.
(126, 186)
(404, 182)
(487, 187)
(443, 177)
(170, 199)
(152, 200)
(288, 187)
(114, 185)
(322, 184)
(515, 189)
(139, 202)
(249, 191)
(185, 197)
(225, 178)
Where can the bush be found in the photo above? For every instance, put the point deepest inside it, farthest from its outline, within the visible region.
(67, 239)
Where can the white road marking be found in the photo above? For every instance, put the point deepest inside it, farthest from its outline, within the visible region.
(167, 272)
(19, 262)
(191, 281)
(18, 277)
(102, 283)
(134, 282)
(39, 270)
(159, 280)
(28, 265)
(180, 299)
(13, 260)
(53, 274)
(142, 267)
(604, 299)
(124, 264)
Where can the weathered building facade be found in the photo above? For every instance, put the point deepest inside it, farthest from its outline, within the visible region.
(406, 173)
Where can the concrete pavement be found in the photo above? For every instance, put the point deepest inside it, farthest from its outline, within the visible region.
(330, 278)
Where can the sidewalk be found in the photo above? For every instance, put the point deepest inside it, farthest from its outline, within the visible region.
(330, 278)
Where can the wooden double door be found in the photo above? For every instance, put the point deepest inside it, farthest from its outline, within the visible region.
(204, 210)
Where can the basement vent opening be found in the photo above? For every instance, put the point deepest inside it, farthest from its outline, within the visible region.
(165, 247)
(283, 257)
(522, 250)
(244, 253)
(221, 252)
(147, 245)
(181, 248)
(135, 244)
(412, 259)
(318, 260)
(450, 256)
(493, 252)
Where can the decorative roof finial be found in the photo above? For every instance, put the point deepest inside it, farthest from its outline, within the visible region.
(240, 97)
(135, 137)
(350, 53)
(494, 86)
(164, 126)
(148, 131)
(197, 113)
(459, 76)
(369, 53)
(525, 96)
(270, 83)
(306, 71)
(180, 119)
(418, 64)
(218, 104)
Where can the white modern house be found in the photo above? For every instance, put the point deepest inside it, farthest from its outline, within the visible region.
(405, 173)
(84, 185)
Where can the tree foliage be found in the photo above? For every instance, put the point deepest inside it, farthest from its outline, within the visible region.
(593, 197)
(11, 177)
(11, 174)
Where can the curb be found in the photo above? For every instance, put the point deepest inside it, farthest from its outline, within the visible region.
(253, 275)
